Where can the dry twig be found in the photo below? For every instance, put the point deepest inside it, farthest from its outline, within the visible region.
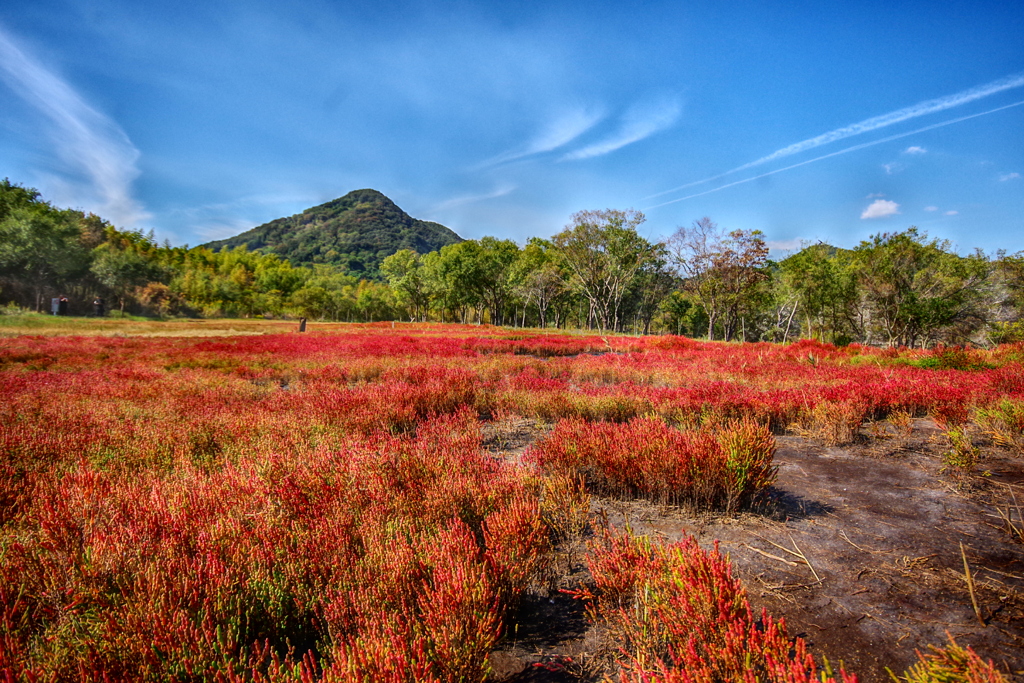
(970, 585)
(797, 553)
(769, 555)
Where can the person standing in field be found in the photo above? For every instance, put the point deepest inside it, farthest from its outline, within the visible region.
(98, 307)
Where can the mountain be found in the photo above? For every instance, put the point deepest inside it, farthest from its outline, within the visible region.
(355, 232)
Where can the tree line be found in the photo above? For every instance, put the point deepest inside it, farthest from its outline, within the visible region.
(599, 273)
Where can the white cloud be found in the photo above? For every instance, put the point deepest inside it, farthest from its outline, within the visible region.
(931, 208)
(97, 156)
(874, 195)
(880, 208)
(564, 130)
(1009, 176)
(784, 245)
(638, 123)
(915, 150)
(558, 133)
(470, 199)
(894, 167)
(847, 150)
(898, 116)
(952, 213)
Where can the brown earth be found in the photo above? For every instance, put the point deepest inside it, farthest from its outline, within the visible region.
(858, 547)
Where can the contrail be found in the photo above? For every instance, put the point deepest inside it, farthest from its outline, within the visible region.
(874, 123)
(834, 154)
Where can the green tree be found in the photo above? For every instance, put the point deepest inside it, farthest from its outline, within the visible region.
(405, 273)
(823, 283)
(651, 284)
(497, 259)
(311, 302)
(602, 252)
(915, 290)
(125, 262)
(726, 273)
(40, 247)
(457, 279)
(1006, 314)
(539, 282)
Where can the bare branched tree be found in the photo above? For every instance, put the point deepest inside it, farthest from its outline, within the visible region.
(723, 272)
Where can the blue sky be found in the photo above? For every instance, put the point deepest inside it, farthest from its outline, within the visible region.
(808, 121)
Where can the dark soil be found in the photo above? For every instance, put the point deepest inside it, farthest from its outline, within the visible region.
(858, 547)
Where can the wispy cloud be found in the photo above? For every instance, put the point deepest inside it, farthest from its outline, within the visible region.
(220, 220)
(1009, 176)
(899, 116)
(785, 245)
(952, 213)
(914, 149)
(638, 123)
(826, 156)
(880, 208)
(471, 199)
(931, 208)
(874, 123)
(894, 167)
(90, 145)
(558, 133)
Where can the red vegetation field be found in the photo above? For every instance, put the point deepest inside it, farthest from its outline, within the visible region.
(320, 506)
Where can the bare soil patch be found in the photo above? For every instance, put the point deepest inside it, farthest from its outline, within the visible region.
(858, 547)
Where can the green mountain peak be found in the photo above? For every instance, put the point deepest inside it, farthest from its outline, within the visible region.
(355, 232)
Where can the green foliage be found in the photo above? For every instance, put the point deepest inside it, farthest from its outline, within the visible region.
(728, 274)
(354, 233)
(950, 358)
(952, 664)
(404, 271)
(330, 262)
(41, 248)
(962, 455)
(603, 254)
(1004, 423)
(538, 279)
(823, 281)
(917, 288)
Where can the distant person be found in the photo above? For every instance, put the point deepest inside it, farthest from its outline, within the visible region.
(62, 306)
(98, 307)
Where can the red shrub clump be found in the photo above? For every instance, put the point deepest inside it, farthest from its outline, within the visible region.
(683, 618)
(721, 467)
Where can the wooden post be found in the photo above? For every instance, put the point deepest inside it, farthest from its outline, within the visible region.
(302, 324)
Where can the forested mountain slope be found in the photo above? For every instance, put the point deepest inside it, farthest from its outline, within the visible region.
(355, 232)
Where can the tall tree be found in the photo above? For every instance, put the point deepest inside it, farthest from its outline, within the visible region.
(725, 273)
(539, 281)
(125, 262)
(456, 275)
(916, 290)
(404, 271)
(602, 252)
(497, 258)
(41, 248)
(823, 282)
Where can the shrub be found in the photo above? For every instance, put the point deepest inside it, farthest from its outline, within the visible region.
(681, 616)
(713, 467)
(962, 455)
(834, 423)
(1004, 423)
(952, 664)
